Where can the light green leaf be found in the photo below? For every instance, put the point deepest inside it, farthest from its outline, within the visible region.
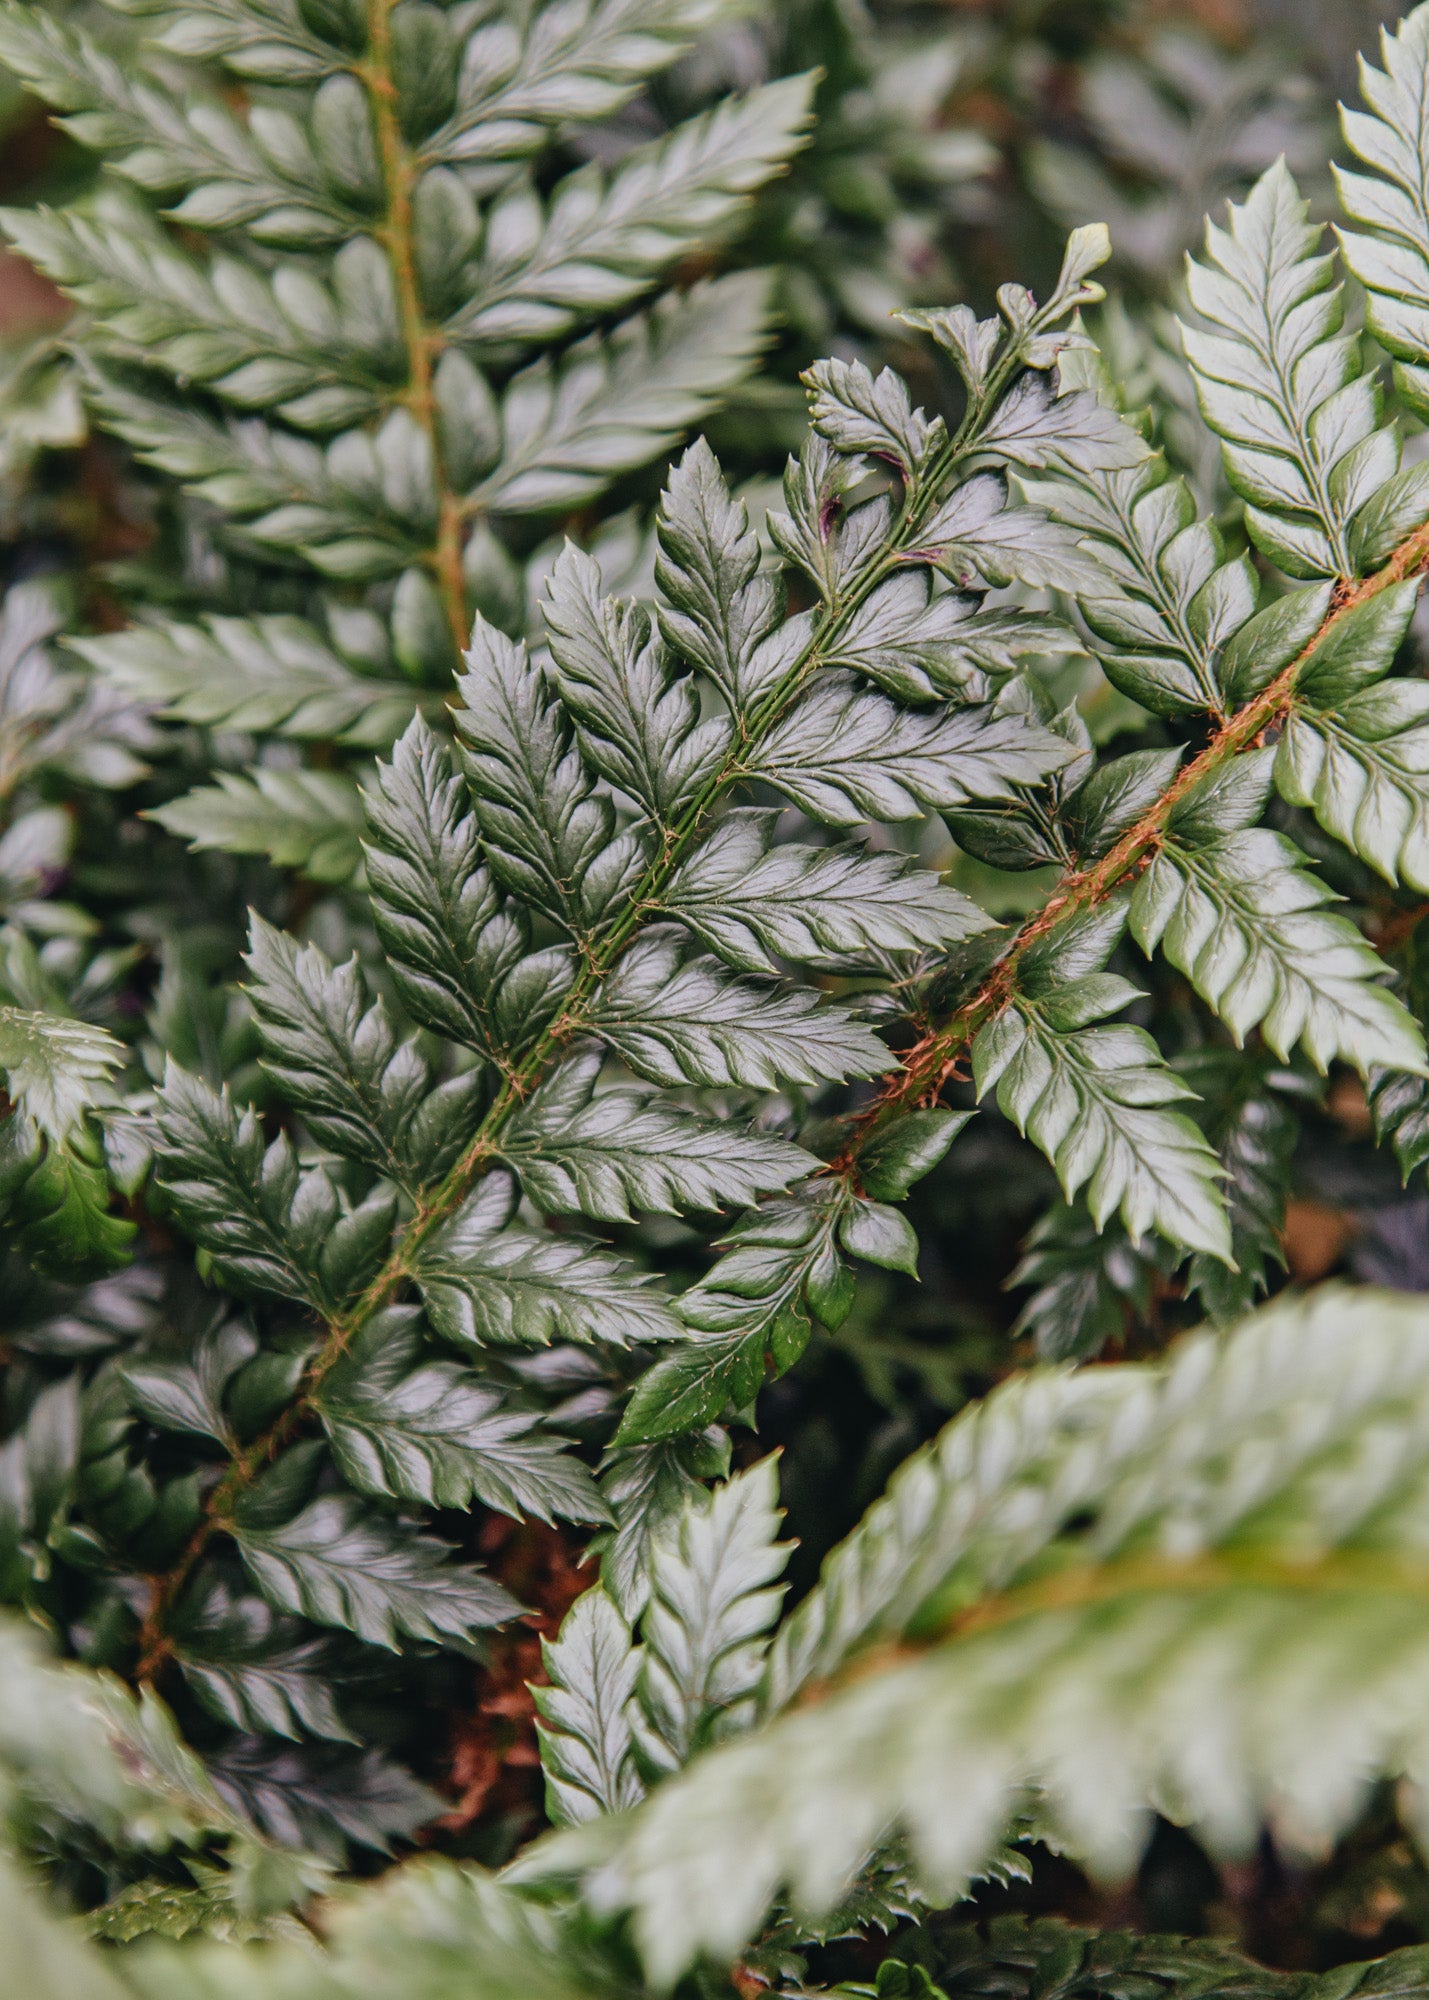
(1094, 1100)
(310, 820)
(56, 1070)
(712, 1601)
(680, 1017)
(1282, 385)
(586, 1742)
(616, 401)
(1173, 1542)
(406, 1428)
(341, 1562)
(269, 673)
(750, 899)
(1245, 920)
(601, 242)
(844, 754)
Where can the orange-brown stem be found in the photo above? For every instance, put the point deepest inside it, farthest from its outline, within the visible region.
(928, 1066)
(422, 340)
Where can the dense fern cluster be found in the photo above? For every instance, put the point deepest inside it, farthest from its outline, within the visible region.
(645, 912)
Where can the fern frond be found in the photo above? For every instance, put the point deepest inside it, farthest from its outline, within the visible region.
(1204, 1554)
(702, 1632)
(1240, 914)
(606, 980)
(587, 1748)
(276, 675)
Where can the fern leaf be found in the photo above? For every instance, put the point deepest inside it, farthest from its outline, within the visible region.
(1400, 1107)
(600, 243)
(1390, 253)
(1186, 1594)
(1249, 1117)
(248, 1668)
(580, 63)
(751, 1309)
(55, 1070)
(580, 1150)
(1093, 1099)
(678, 1017)
(1283, 386)
(272, 184)
(1039, 425)
(1246, 922)
(486, 1281)
(1354, 742)
(615, 402)
(749, 899)
(457, 949)
(1089, 1281)
(1017, 1952)
(261, 1218)
(188, 1395)
(721, 613)
(221, 322)
(340, 1562)
(310, 820)
(363, 1092)
(843, 754)
(913, 643)
(267, 674)
(1163, 603)
(647, 1486)
(548, 831)
(862, 413)
(404, 1428)
(587, 1749)
(637, 723)
(711, 1602)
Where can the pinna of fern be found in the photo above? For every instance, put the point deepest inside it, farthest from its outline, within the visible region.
(1096, 1591)
(59, 730)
